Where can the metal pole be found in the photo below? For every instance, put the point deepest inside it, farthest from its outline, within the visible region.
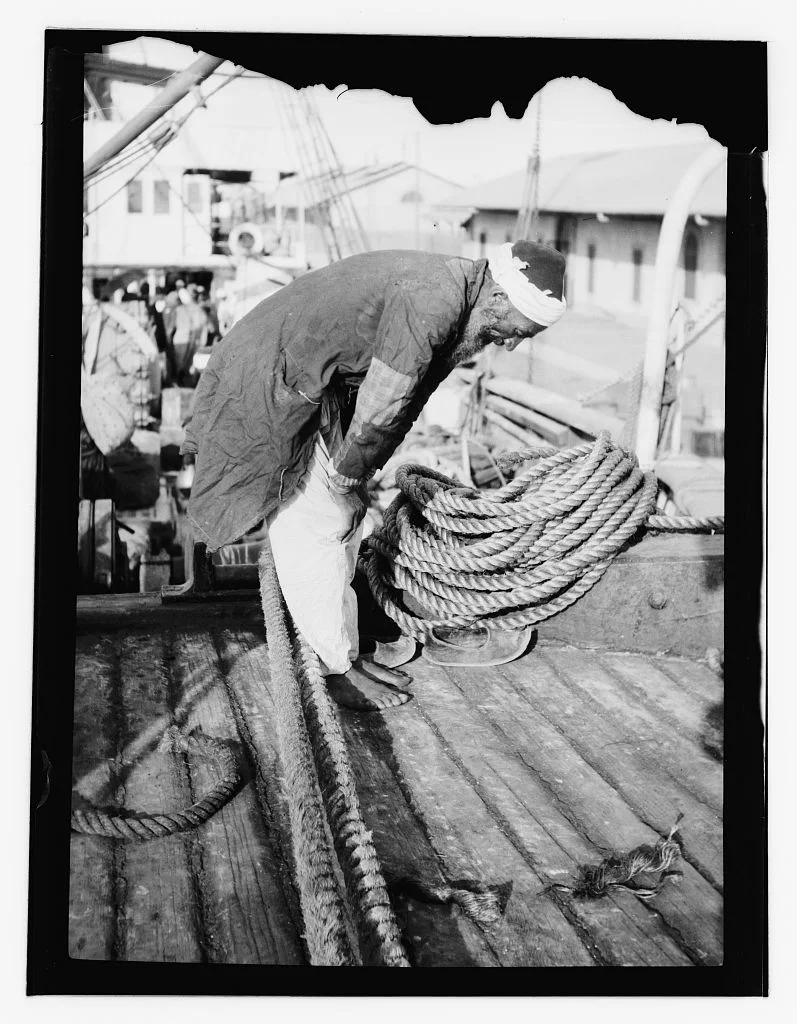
(178, 87)
(667, 253)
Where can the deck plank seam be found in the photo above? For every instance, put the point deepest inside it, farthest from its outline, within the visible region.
(506, 828)
(564, 809)
(665, 669)
(637, 694)
(119, 858)
(191, 841)
(259, 774)
(405, 791)
(227, 822)
(617, 784)
(606, 716)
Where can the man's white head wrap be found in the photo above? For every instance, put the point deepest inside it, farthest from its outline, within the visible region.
(538, 304)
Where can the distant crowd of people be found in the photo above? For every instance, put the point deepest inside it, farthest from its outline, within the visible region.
(182, 319)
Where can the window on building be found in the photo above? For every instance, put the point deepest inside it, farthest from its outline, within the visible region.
(135, 197)
(482, 243)
(193, 196)
(591, 268)
(412, 197)
(636, 293)
(690, 267)
(161, 196)
(507, 237)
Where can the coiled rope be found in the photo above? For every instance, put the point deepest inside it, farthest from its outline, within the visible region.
(517, 555)
(93, 822)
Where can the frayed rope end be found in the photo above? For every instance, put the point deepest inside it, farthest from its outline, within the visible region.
(594, 881)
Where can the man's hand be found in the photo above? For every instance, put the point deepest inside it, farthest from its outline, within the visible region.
(353, 505)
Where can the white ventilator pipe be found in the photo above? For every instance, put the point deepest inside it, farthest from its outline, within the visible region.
(667, 253)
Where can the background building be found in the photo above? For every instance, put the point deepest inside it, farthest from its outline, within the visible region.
(604, 212)
(397, 204)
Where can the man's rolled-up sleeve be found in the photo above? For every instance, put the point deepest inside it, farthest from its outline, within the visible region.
(411, 329)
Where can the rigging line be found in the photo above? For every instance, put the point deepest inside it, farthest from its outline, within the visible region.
(186, 207)
(290, 152)
(205, 97)
(309, 182)
(177, 126)
(110, 169)
(123, 186)
(336, 184)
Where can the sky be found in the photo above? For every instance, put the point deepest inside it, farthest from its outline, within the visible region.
(370, 126)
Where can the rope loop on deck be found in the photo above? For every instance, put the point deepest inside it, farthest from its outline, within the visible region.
(144, 827)
(516, 555)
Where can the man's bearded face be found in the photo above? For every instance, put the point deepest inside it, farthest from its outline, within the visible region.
(498, 323)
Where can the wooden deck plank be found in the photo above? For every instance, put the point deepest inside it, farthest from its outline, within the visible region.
(630, 805)
(666, 761)
(94, 861)
(161, 914)
(435, 935)
(680, 706)
(249, 921)
(570, 793)
(620, 931)
(528, 714)
(475, 842)
(693, 677)
(244, 659)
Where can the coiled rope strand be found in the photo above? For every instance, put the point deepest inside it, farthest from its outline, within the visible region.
(513, 556)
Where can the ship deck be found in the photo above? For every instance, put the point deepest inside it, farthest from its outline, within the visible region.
(509, 776)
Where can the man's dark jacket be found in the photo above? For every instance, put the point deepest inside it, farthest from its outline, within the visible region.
(379, 326)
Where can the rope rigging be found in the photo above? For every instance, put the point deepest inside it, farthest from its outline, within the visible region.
(517, 555)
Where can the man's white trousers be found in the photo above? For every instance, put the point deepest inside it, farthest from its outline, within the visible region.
(315, 565)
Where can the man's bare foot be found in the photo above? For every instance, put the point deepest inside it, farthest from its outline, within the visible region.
(382, 674)
(362, 692)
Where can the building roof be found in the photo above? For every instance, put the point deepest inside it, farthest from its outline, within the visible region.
(626, 181)
(355, 179)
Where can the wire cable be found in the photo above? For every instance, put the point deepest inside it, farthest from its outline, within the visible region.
(177, 125)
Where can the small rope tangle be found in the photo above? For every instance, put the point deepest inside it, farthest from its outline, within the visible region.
(516, 555)
(596, 880)
(142, 828)
(484, 905)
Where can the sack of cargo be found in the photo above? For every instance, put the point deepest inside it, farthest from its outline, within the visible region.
(107, 411)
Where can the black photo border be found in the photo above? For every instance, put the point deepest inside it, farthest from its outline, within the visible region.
(693, 81)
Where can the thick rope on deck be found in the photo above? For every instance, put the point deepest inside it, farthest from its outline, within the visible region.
(321, 901)
(380, 937)
(513, 556)
(144, 827)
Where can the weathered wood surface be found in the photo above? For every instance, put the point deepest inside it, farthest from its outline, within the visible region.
(555, 433)
(220, 893)
(622, 612)
(509, 776)
(557, 407)
(93, 871)
(516, 774)
(664, 594)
